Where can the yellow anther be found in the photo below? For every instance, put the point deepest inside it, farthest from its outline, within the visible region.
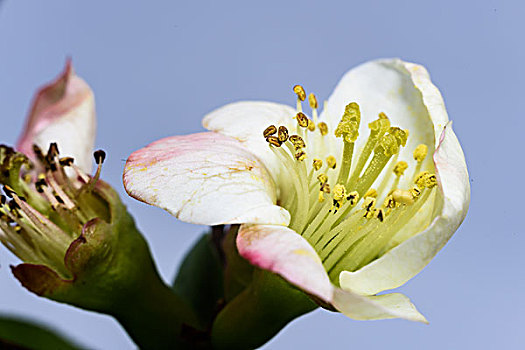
(387, 145)
(353, 198)
(323, 128)
(369, 203)
(339, 195)
(312, 101)
(400, 135)
(269, 131)
(41, 176)
(325, 188)
(302, 119)
(380, 125)
(389, 202)
(300, 155)
(420, 152)
(403, 196)
(425, 180)
(380, 214)
(297, 141)
(311, 125)
(331, 162)
(371, 193)
(282, 134)
(274, 141)
(299, 91)
(339, 192)
(400, 167)
(27, 178)
(317, 164)
(322, 178)
(431, 181)
(348, 127)
(415, 192)
(382, 115)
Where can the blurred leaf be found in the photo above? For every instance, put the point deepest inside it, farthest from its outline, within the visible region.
(17, 333)
(200, 280)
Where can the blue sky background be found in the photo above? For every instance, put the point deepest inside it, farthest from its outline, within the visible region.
(157, 67)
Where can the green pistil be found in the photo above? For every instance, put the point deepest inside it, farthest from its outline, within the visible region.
(346, 162)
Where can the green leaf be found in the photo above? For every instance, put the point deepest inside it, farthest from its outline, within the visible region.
(200, 280)
(18, 333)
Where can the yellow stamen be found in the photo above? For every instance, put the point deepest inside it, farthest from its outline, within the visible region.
(400, 168)
(317, 164)
(312, 101)
(302, 120)
(269, 131)
(403, 196)
(371, 193)
(274, 141)
(297, 141)
(300, 155)
(353, 198)
(322, 178)
(299, 91)
(425, 180)
(331, 162)
(283, 133)
(323, 128)
(311, 125)
(420, 152)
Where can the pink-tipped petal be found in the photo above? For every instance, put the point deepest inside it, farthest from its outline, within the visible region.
(403, 262)
(204, 178)
(246, 121)
(281, 250)
(62, 112)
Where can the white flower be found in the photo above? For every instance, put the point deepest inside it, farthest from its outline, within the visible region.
(324, 202)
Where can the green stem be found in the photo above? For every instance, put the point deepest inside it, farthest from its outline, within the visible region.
(156, 318)
(259, 312)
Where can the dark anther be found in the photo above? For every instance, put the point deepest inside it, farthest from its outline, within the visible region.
(2, 199)
(59, 199)
(53, 150)
(9, 191)
(269, 131)
(38, 153)
(13, 206)
(66, 161)
(99, 155)
(283, 133)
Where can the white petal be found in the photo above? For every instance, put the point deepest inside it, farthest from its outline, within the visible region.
(204, 178)
(404, 261)
(376, 307)
(283, 251)
(246, 121)
(403, 91)
(63, 112)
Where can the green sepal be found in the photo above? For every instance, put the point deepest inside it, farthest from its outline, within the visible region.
(200, 280)
(17, 333)
(238, 272)
(259, 312)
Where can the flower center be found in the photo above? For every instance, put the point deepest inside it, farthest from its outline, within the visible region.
(327, 187)
(46, 204)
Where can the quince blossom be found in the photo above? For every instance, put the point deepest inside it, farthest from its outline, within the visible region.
(343, 205)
